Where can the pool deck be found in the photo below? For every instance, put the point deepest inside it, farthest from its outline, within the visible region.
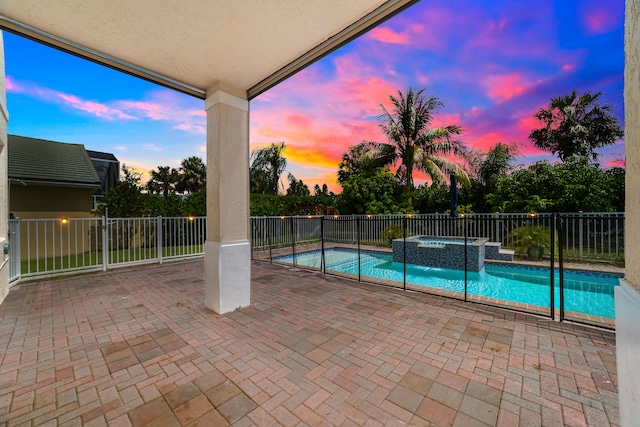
(137, 347)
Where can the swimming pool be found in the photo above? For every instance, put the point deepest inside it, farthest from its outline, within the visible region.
(584, 292)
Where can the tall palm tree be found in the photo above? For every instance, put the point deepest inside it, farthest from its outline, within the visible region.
(266, 166)
(364, 157)
(576, 125)
(193, 175)
(163, 180)
(416, 144)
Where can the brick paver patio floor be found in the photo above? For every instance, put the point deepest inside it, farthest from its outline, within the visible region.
(137, 347)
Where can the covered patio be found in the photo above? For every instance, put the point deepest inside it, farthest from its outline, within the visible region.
(139, 347)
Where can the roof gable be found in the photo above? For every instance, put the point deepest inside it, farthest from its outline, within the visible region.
(50, 162)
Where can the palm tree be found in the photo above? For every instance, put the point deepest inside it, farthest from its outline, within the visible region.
(193, 175)
(416, 144)
(363, 158)
(163, 180)
(575, 126)
(266, 166)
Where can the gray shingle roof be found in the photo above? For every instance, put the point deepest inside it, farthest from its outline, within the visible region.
(50, 162)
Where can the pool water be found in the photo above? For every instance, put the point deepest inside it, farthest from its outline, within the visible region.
(584, 292)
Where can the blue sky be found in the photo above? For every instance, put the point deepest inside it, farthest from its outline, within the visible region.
(493, 64)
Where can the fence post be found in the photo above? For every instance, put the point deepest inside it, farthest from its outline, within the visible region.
(293, 242)
(105, 243)
(580, 233)
(353, 232)
(358, 231)
(464, 219)
(552, 304)
(15, 252)
(322, 266)
(404, 253)
(561, 226)
(159, 235)
(264, 233)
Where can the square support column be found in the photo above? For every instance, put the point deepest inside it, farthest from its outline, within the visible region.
(227, 249)
(627, 295)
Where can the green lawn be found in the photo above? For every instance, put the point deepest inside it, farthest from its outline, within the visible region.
(93, 259)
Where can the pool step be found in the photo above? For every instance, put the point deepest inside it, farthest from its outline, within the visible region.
(492, 250)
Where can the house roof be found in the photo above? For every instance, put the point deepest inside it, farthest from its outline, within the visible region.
(101, 156)
(38, 161)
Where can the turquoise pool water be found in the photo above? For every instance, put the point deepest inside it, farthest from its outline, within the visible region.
(584, 292)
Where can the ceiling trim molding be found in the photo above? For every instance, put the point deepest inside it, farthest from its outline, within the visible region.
(353, 31)
(15, 27)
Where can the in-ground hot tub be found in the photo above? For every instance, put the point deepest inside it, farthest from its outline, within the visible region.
(441, 252)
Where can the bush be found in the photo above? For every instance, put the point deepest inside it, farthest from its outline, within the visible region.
(393, 231)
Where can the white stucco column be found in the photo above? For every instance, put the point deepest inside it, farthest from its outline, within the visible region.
(627, 295)
(4, 180)
(227, 250)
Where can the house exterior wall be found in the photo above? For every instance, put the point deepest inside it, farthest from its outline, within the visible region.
(627, 295)
(35, 201)
(40, 202)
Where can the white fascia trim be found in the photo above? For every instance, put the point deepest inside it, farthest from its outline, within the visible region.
(221, 97)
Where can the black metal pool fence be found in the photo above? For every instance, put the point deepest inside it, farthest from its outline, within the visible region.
(457, 249)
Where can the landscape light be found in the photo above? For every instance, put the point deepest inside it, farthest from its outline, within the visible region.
(64, 220)
(191, 218)
(533, 215)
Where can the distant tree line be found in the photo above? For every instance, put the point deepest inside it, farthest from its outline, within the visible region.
(378, 177)
(169, 192)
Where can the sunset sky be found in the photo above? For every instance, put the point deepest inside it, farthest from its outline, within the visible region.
(492, 63)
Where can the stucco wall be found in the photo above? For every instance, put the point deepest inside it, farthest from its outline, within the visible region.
(4, 186)
(43, 199)
(632, 140)
(627, 296)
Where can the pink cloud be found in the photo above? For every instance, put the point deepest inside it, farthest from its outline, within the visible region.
(95, 108)
(11, 85)
(496, 26)
(503, 87)
(160, 105)
(602, 17)
(620, 163)
(387, 35)
(163, 105)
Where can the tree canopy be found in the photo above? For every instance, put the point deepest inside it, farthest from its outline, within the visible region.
(192, 175)
(575, 125)
(418, 145)
(266, 165)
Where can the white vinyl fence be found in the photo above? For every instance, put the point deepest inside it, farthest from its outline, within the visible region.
(43, 247)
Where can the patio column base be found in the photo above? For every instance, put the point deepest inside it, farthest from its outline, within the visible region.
(627, 302)
(227, 275)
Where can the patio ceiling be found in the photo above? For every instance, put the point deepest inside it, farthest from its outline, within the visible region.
(190, 45)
